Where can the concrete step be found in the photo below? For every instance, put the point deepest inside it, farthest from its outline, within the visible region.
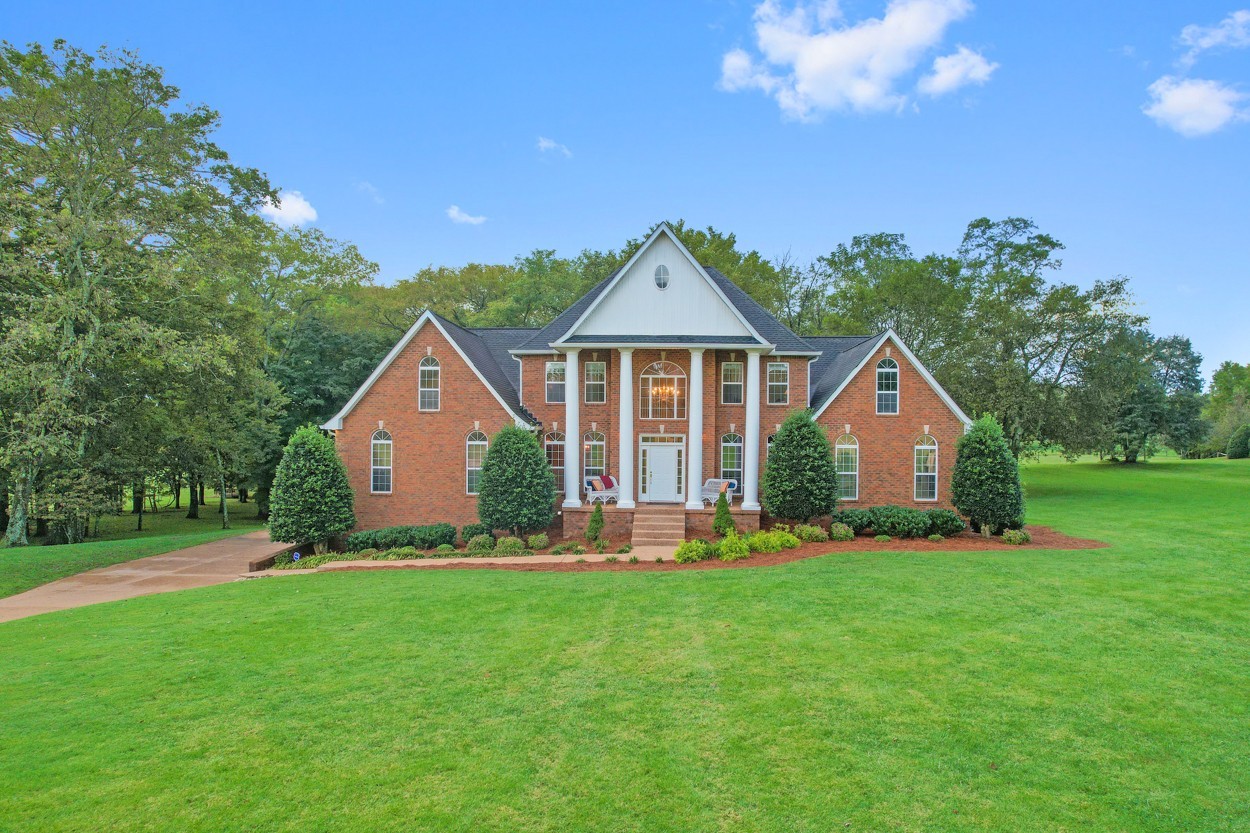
(656, 542)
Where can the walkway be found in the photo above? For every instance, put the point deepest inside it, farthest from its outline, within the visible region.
(648, 553)
(200, 566)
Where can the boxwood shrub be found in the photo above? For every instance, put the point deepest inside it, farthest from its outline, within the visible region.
(899, 521)
(469, 531)
(480, 544)
(1016, 536)
(811, 533)
(945, 522)
(857, 519)
(509, 545)
(392, 537)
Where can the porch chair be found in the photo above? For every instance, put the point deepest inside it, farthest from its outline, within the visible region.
(714, 486)
(602, 488)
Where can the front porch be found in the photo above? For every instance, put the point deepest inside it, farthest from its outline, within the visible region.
(618, 521)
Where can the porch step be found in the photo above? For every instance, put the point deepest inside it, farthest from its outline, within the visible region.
(659, 525)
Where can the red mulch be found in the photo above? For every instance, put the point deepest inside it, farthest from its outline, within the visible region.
(1044, 538)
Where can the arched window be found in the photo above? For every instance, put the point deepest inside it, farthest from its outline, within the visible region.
(887, 386)
(662, 392)
(553, 443)
(731, 459)
(926, 468)
(594, 454)
(474, 454)
(428, 395)
(380, 462)
(661, 276)
(846, 461)
(768, 448)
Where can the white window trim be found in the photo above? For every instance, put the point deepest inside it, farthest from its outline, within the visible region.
(548, 383)
(438, 384)
(587, 383)
(469, 442)
(741, 383)
(768, 385)
(683, 400)
(390, 441)
(898, 388)
(915, 475)
(549, 440)
(593, 438)
(742, 459)
(838, 445)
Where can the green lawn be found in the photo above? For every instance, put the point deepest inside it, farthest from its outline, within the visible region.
(22, 568)
(1018, 691)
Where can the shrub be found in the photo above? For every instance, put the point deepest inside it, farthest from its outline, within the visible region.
(421, 537)
(841, 532)
(568, 547)
(399, 554)
(624, 549)
(985, 485)
(538, 541)
(1239, 444)
(611, 559)
(445, 551)
(882, 538)
(936, 538)
(899, 521)
(760, 542)
(473, 530)
(594, 527)
(1016, 536)
(945, 523)
(811, 533)
(857, 519)
(580, 561)
(508, 545)
(517, 490)
(689, 552)
(633, 559)
(722, 521)
(601, 546)
(800, 481)
(313, 561)
(312, 500)
(659, 559)
(367, 552)
(480, 544)
(733, 548)
(787, 539)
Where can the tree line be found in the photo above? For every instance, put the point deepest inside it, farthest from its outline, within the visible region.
(158, 335)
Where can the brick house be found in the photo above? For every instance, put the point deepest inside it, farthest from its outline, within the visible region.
(663, 375)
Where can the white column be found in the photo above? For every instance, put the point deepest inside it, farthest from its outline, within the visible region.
(625, 428)
(694, 441)
(751, 437)
(572, 433)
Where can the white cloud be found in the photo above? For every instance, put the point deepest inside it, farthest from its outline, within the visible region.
(950, 72)
(811, 60)
(290, 210)
(1192, 106)
(545, 144)
(458, 216)
(371, 191)
(1232, 32)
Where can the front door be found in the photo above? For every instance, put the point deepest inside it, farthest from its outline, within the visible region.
(660, 475)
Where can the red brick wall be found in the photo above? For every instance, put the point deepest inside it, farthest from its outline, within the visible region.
(886, 443)
(428, 474)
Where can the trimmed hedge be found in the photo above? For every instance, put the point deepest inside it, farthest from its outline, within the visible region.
(985, 485)
(899, 521)
(857, 519)
(394, 537)
(470, 531)
(945, 522)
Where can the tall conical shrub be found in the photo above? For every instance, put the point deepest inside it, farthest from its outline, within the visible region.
(312, 500)
(517, 491)
(1239, 444)
(800, 481)
(722, 521)
(985, 485)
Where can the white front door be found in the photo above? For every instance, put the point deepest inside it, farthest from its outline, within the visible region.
(660, 471)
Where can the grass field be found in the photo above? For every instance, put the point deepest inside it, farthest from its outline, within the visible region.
(22, 568)
(1016, 691)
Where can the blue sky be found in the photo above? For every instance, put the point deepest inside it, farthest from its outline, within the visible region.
(795, 127)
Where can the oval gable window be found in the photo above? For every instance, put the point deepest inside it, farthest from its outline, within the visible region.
(661, 276)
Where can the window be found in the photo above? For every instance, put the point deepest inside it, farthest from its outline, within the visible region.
(380, 460)
(926, 468)
(846, 461)
(553, 443)
(887, 386)
(474, 454)
(731, 383)
(594, 454)
(661, 276)
(555, 381)
(662, 392)
(731, 459)
(428, 385)
(596, 382)
(768, 448)
(778, 383)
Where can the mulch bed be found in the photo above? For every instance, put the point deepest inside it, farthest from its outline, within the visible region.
(1044, 538)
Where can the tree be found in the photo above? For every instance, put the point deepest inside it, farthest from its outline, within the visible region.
(723, 520)
(1228, 407)
(1239, 444)
(985, 485)
(312, 499)
(800, 481)
(517, 491)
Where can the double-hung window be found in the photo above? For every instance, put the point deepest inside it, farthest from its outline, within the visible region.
(555, 382)
(926, 468)
(778, 383)
(428, 394)
(380, 462)
(887, 386)
(731, 383)
(474, 454)
(846, 462)
(596, 383)
(731, 460)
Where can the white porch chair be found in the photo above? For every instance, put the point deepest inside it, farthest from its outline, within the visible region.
(714, 486)
(601, 495)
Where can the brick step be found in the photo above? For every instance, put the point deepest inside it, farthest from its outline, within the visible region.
(664, 520)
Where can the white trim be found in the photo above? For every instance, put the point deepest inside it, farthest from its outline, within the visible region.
(768, 383)
(438, 389)
(662, 228)
(890, 335)
(898, 386)
(664, 441)
(335, 423)
(468, 442)
(741, 383)
(657, 345)
(839, 445)
(915, 475)
(373, 467)
(586, 383)
(547, 383)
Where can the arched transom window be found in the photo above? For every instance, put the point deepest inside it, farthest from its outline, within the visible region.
(380, 462)
(429, 395)
(887, 386)
(662, 392)
(474, 455)
(926, 468)
(846, 461)
(731, 460)
(553, 444)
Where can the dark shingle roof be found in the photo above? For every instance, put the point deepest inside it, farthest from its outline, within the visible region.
(488, 349)
(840, 355)
(624, 339)
(772, 330)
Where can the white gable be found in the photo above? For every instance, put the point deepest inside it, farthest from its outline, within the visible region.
(634, 305)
